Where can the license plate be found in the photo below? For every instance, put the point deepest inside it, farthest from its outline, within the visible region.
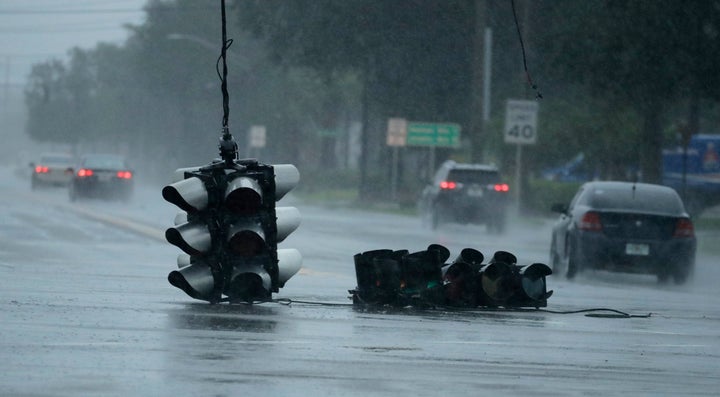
(104, 176)
(475, 192)
(637, 249)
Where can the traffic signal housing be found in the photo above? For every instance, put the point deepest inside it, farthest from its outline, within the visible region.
(229, 228)
(423, 279)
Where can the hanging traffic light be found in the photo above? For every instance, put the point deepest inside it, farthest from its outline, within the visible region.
(230, 228)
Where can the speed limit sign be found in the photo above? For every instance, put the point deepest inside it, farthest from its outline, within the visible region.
(521, 122)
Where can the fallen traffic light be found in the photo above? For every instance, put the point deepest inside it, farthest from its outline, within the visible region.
(531, 290)
(423, 279)
(460, 278)
(378, 276)
(495, 280)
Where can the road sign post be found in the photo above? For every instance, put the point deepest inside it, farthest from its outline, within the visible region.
(520, 129)
(521, 122)
(400, 133)
(433, 135)
(396, 137)
(257, 139)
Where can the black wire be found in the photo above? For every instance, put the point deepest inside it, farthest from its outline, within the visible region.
(617, 313)
(288, 302)
(522, 47)
(223, 79)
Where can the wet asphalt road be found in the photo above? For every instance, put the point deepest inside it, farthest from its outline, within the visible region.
(87, 310)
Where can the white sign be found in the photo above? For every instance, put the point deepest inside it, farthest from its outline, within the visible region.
(397, 132)
(257, 136)
(521, 122)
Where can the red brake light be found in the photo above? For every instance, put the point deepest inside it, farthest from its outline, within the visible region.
(684, 228)
(41, 169)
(124, 174)
(448, 185)
(501, 187)
(84, 172)
(590, 222)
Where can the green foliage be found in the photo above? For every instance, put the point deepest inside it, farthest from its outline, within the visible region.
(637, 56)
(544, 194)
(615, 75)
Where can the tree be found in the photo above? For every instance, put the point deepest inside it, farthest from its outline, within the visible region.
(411, 57)
(642, 54)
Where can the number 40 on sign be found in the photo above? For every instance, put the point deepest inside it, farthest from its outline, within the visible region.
(521, 122)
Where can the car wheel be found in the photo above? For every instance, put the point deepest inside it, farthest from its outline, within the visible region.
(127, 197)
(555, 262)
(497, 223)
(680, 276)
(435, 214)
(424, 213)
(434, 221)
(573, 265)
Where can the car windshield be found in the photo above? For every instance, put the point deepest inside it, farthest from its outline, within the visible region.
(474, 176)
(638, 199)
(104, 161)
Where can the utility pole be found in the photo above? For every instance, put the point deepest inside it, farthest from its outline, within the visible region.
(6, 93)
(477, 130)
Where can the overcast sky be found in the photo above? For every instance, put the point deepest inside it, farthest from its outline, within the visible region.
(33, 31)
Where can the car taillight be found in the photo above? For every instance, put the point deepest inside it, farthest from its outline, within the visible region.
(41, 169)
(84, 172)
(501, 187)
(590, 222)
(684, 228)
(124, 174)
(448, 185)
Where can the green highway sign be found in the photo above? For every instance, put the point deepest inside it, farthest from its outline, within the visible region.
(433, 134)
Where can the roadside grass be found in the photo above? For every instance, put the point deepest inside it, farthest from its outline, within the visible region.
(329, 197)
(536, 213)
(707, 223)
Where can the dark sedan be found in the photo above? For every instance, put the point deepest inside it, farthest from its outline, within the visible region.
(102, 176)
(624, 227)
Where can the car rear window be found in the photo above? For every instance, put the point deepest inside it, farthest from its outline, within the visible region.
(624, 198)
(56, 160)
(474, 176)
(109, 162)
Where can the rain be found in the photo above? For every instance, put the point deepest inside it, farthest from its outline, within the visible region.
(367, 100)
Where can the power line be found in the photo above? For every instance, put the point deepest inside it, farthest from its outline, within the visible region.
(90, 11)
(70, 11)
(59, 29)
